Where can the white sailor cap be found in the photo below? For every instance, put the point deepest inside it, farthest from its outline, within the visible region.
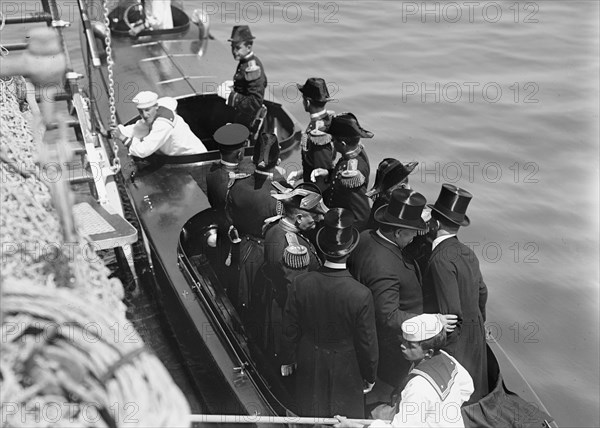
(145, 99)
(421, 327)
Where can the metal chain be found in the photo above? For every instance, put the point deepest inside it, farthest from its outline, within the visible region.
(116, 166)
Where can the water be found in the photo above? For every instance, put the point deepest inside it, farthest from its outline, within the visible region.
(506, 109)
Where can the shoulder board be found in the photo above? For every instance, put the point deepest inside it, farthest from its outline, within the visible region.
(295, 256)
(351, 177)
(253, 71)
(236, 176)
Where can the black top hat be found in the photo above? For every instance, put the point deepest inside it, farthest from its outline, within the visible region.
(231, 136)
(346, 125)
(404, 210)
(337, 238)
(452, 204)
(240, 33)
(266, 151)
(305, 196)
(315, 88)
(390, 172)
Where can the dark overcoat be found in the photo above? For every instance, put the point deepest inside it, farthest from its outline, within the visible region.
(395, 283)
(453, 284)
(329, 330)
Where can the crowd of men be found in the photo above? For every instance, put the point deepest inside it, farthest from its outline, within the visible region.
(351, 290)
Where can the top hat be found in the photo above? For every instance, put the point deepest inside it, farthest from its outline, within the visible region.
(390, 172)
(305, 196)
(240, 33)
(452, 204)
(337, 238)
(266, 151)
(231, 136)
(315, 88)
(145, 99)
(421, 327)
(346, 125)
(404, 210)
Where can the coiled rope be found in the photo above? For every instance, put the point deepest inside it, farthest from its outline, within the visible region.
(69, 356)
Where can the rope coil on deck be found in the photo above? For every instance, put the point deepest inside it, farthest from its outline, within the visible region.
(69, 356)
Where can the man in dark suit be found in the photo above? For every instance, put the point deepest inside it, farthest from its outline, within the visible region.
(249, 203)
(395, 281)
(453, 284)
(329, 328)
(349, 178)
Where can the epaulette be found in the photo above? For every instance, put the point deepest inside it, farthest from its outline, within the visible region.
(318, 136)
(295, 256)
(236, 176)
(351, 177)
(253, 71)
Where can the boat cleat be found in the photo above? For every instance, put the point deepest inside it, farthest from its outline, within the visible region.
(60, 23)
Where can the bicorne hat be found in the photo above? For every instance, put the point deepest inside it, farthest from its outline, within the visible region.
(337, 238)
(305, 196)
(390, 172)
(452, 204)
(231, 136)
(404, 210)
(240, 33)
(315, 88)
(346, 125)
(266, 151)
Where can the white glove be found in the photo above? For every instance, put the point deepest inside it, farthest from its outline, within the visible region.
(367, 386)
(318, 172)
(225, 89)
(287, 369)
(293, 176)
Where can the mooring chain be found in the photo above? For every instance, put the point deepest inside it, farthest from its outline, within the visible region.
(116, 166)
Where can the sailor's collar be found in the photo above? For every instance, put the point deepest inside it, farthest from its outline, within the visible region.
(230, 165)
(265, 173)
(354, 153)
(319, 114)
(287, 226)
(333, 265)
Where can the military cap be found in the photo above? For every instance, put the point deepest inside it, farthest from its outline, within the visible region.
(145, 99)
(390, 172)
(305, 196)
(231, 136)
(421, 327)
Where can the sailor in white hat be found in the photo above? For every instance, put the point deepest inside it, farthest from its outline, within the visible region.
(437, 384)
(159, 130)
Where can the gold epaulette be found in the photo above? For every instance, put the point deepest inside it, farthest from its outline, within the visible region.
(253, 71)
(320, 139)
(351, 177)
(236, 176)
(295, 256)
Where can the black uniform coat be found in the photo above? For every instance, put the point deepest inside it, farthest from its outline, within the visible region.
(453, 285)
(351, 193)
(395, 283)
(317, 151)
(329, 330)
(217, 179)
(249, 203)
(279, 277)
(248, 90)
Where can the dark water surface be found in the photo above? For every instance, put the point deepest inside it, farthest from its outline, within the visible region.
(501, 98)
